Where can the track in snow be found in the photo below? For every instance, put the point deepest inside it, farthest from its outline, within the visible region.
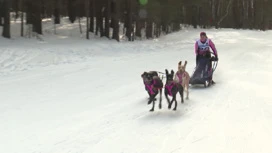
(90, 98)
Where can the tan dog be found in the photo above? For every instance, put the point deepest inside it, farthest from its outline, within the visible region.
(183, 77)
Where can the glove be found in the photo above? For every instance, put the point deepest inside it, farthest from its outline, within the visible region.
(216, 58)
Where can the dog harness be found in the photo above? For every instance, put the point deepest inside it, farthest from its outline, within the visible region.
(180, 75)
(150, 87)
(169, 88)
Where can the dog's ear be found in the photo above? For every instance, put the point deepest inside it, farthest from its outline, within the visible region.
(185, 64)
(172, 72)
(144, 74)
(179, 62)
(166, 72)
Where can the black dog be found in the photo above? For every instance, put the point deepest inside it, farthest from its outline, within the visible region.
(171, 89)
(147, 77)
(153, 86)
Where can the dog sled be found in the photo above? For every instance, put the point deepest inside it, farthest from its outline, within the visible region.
(204, 71)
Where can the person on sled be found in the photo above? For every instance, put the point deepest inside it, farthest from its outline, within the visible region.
(202, 49)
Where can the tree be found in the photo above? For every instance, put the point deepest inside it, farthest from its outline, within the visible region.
(37, 20)
(92, 15)
(71, 10)
(107, 18)
(57, 12)
(6, 15)
(87, 21)
(115, 19)
(1, 12)
(22, 18)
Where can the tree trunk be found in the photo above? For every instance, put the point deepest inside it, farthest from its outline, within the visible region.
(1, 13)
(101, 23)
(164, 28)
(16, 8)
(115, 20)
(71, 10)
(139, 26)
(37, 24)
(227, 13)
(79, 24)
(29, 15)
(92, 15)
(96, 24)
(22, 18)
(34, 15)
(87, 21)
(236, 14)
(129, 20)
(176, 26)
(149, 29)
(99, 19)
(57, 12)
(6, 14)
(107, 19)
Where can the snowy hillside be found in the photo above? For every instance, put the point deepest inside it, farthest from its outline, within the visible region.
(70, 95)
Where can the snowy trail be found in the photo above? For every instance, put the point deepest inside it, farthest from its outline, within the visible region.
(90, 98)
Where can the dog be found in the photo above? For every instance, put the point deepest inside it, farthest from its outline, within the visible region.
(153, 86)
(171, 89)
(147, 76)
(183, 77)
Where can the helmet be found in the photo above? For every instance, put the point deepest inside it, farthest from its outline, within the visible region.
(203, 34)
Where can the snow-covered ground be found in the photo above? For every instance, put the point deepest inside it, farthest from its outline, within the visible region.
(70, 95)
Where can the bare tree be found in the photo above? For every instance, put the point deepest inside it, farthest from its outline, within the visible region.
(115, 19)
(107, 18)
(227, 13)
(22, 18)
(92, 15)
(87, 21)
(6, 14)
(1, 12)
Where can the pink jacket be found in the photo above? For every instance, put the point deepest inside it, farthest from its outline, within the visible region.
(210, 44)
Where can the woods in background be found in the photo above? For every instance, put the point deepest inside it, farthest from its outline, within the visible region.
(154, 17)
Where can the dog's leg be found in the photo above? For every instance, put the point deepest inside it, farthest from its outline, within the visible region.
(160, 105)
(181, 94)
(152, 109)
(180, 90)
(151, 98)
(166, 96)
(169, 102)
(170, 105)
(176, 103)
(187, 91)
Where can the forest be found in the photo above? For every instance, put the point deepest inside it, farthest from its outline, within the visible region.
(155, 17)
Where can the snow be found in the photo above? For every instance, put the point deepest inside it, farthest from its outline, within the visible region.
(66, 94)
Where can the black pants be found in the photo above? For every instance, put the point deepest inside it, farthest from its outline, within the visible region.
(208, 55)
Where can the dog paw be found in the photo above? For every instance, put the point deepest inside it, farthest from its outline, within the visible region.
(160, 106)
(174, 109)
(151, 110)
